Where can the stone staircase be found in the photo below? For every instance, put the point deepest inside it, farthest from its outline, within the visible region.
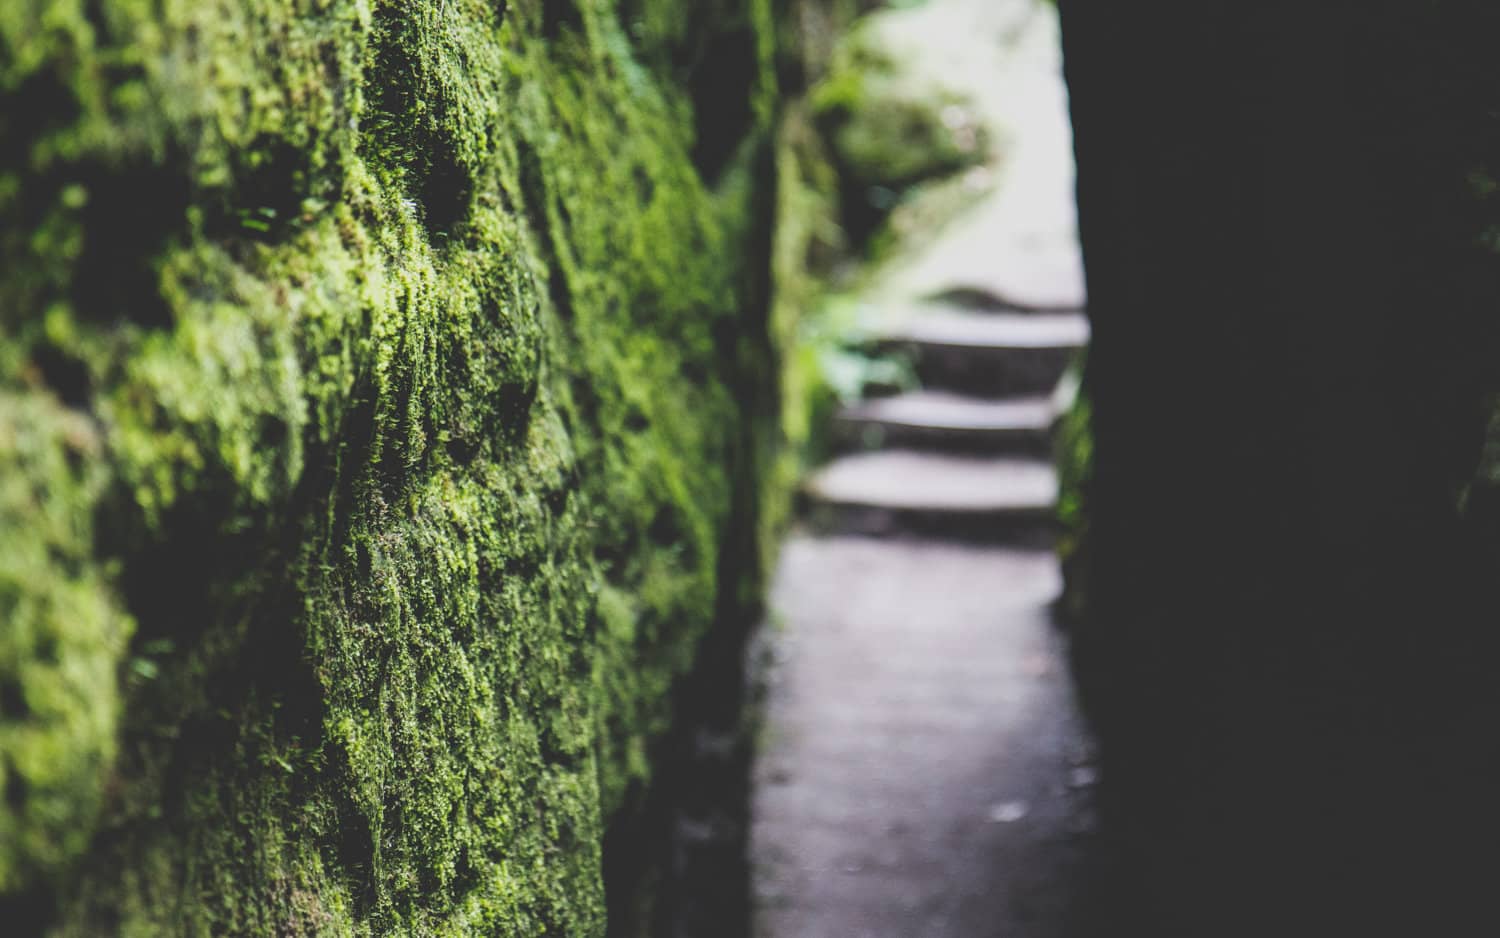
(968, 455)
(923, 769)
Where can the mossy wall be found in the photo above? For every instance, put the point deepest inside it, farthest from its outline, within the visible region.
(389, 407)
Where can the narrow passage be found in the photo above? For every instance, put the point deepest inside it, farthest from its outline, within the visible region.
(924, 771)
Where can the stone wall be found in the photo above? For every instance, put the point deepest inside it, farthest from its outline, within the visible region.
(390, 406)
(1289, 220)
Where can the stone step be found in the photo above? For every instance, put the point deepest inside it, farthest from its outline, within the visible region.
(949, 422)
(990, 354)
(895, 492)
(1028, 283)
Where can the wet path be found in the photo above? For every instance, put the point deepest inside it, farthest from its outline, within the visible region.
(924, 772)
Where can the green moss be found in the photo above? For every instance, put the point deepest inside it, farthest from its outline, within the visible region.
(62, 643)
(386, 365)
(887, 129)
(1074, 456)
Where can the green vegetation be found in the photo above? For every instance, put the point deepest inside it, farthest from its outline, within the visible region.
(888, 131)
(1074, 457)
(385, 391)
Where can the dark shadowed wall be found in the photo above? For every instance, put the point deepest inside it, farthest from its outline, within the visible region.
(1288, 217)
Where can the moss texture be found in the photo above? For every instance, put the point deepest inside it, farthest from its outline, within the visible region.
(381, 387)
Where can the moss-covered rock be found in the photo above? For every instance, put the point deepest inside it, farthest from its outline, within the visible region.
(62, 643)
(380, 386)
(890, 127)
(887, 129)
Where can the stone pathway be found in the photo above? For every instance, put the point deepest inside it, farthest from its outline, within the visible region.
(923, 771)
